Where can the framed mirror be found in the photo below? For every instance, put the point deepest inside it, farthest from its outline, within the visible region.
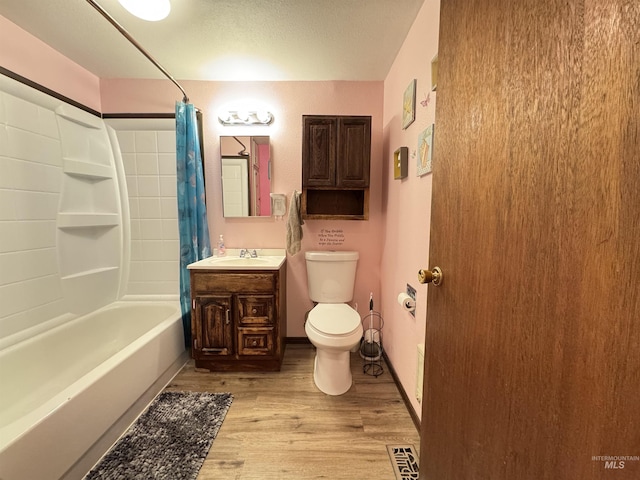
(246, 176)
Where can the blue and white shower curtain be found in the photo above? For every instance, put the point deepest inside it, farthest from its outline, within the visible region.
(192, 211)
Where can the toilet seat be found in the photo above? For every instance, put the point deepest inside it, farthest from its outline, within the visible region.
(335, 319)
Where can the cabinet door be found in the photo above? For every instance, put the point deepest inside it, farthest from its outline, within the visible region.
(319, 136)
(354, 152)
(256, 324)
(213, 326)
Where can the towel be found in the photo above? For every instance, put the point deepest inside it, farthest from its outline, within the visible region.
(294, 224)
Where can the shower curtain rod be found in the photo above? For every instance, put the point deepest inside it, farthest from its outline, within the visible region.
(126, 34)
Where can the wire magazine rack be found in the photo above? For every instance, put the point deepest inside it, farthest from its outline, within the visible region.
(371, 344)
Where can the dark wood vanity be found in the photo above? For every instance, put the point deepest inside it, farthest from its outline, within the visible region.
(239, 319)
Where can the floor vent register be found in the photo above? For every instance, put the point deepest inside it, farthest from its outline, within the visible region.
(404, 460)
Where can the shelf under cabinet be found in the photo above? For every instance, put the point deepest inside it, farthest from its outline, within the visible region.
(337, 204)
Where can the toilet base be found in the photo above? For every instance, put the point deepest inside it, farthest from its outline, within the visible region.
(332, 371)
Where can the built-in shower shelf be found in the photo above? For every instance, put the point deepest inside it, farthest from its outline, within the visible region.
(80, 117)
(89, 170)
(84, 220)
(89, 273)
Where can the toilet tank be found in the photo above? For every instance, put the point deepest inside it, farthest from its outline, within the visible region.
(331, 275)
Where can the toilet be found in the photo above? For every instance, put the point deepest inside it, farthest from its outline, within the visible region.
(332, 326)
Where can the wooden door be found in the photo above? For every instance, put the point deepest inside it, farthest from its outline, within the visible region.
(532, 362)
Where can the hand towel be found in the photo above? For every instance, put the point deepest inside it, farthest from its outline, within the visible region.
(294, 224)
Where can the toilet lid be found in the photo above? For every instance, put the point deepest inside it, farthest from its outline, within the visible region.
(334, 318)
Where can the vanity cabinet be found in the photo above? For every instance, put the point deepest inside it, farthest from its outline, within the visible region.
(238, 320)
(336, 156)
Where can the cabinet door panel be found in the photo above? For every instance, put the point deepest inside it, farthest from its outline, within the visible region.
(256, 309)
(319, 151)
(354, 152)
(213, 325)
(256, 341)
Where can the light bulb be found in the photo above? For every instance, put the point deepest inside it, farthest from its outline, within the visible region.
(263, 116)
(151, 10)
(224, 116)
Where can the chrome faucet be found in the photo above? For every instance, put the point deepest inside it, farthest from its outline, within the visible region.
(245, 252)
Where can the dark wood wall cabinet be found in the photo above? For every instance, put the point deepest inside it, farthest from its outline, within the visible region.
(336, 157)
(239, 320)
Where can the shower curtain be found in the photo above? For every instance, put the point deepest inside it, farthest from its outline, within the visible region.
(192, 212)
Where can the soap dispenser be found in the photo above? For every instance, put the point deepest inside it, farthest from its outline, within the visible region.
(222, 251)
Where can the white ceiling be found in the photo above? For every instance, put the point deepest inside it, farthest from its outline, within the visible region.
(227, 39)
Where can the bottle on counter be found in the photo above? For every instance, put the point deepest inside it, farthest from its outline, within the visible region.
(222, 251)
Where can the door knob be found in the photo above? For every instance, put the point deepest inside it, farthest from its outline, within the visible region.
(430, 276)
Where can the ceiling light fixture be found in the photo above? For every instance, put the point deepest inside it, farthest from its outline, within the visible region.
(244, 117)
(151, 10)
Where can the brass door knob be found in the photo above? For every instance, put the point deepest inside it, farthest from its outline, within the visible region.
(430, 276)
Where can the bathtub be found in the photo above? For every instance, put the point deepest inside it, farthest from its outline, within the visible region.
(68, 393)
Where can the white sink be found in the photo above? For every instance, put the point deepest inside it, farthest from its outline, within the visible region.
(267, 259)
(237, 262)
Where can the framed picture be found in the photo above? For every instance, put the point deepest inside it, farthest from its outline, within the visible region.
(409, 105)
(425, 151)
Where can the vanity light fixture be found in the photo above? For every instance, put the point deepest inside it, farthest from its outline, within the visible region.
(151, 10)
(244, 117)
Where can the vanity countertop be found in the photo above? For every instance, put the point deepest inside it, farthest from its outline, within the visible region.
(267, 259)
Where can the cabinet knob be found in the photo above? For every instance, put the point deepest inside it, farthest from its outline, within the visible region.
(254, 343)
(254, 311)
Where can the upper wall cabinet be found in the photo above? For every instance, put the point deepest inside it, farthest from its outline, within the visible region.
(336, 154)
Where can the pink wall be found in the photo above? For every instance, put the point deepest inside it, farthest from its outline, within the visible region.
(288, 101)
(407, 202)
(38, 62)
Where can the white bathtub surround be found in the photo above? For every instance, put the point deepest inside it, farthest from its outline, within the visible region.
(90, 222)
(67, 388)
(148, 149)
(78, 360)
(64, 238)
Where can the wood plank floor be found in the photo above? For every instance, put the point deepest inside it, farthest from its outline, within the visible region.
(280, 426)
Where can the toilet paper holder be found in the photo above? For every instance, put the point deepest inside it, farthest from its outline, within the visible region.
(408, 300)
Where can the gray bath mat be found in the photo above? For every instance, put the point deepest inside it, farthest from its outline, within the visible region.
(170, 440)
(404, 460)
